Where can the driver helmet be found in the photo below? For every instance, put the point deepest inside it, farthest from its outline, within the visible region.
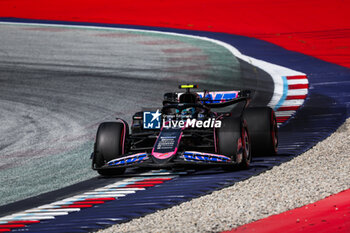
(189, 98)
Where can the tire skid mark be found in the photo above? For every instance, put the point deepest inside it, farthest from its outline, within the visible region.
(187, 68)
(161, 42)
(47, 29)
(181, 50)
(117, 35)
(188, 58)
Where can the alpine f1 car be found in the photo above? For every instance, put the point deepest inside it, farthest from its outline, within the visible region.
(187, 131)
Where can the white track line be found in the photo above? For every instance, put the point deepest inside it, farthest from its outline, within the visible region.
(284, 113)
(297, 81)
(296, 102)
(292, 92)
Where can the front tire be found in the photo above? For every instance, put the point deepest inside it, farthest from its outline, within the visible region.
(109, 145)
(247, 155)
(233, 141)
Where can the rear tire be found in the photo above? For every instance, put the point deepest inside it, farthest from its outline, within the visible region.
(262, 126)
(109, 145)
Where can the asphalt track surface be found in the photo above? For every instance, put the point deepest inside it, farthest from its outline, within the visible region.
(58, 84)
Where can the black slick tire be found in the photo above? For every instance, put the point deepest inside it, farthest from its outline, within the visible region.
(233, 141)
(109, 144)
(262, 126)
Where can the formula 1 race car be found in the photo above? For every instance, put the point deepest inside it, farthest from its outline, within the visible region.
(186, 131)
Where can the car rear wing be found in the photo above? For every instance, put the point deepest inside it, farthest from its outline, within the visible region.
(212, 97)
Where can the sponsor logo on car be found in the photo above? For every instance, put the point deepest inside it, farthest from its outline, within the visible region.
(217, 96)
